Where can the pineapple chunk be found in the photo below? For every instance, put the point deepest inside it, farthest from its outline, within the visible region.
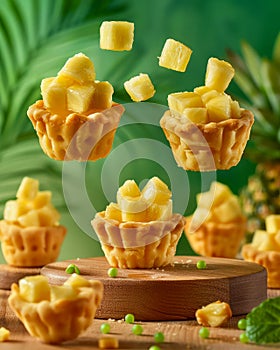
(116, 35)
(31, 218)
(181, 100)
(102, 95)
(258, 238)
(113, 212)
(62, 292)
(219, 74)
(34, 288)
(48, 215)
(28, 189)
(272, 223)
(4, 334)
(140, 87)
(134, 214)
(214, 314)
(201, 90)
(268, 242)
(76, 281)
(207, 96)
(15, 208)
(197, 115)
(235, 111)
(228, 211)
(159, 212)
(79, 97)
(108, 343)
(78, 68)
(221, 192)
(175, 55)
(129, 189)
(55, 96)
(156, 191)
(218, 108)
(43, 198)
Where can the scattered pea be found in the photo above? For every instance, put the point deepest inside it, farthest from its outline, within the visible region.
(105, 328)
(72, 268)
(154, 347)
(201, 264)
(204, 332)
(113, 272)
(159, 337)
(137, 329)
(129, 318)
(242, 323)
(243, 338)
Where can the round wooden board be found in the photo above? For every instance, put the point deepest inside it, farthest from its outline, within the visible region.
(174, 292)
(11, 274)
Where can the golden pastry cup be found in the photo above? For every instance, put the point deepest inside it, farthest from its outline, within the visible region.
(30, 246)
(270, 260)
(215, 239)
(75, 136)
(143, 245)
(60, 320)
(207, 147)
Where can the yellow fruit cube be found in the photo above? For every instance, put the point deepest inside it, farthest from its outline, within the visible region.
(214, 314)
(113, 212)
(79, 97)
(78, 68)
(175, 55)
(159, 212)
(4, 334)
(156, 191)
(131, 202)
(219, 74)
(272, 223)
(140, 87)
(277, 241)
(235, 110)
(108, 343)
(62, 292)
(218, 108)
(228, 211)
(201, 90)
(208, 95)
(15, 208)
(43, 198)
(28, 189)
(129, 189)
(55, 96)
(134, 214)
(197, 115)
(268, 242)
(258, 238)
(116, 35)
(180, 100)
(31, 218)
(77, 281)
(34, 288)
(221, 192)
(102, 95)
(48, 215)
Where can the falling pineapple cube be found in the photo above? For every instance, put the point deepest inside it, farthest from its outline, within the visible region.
(197, 115)
(116, 35)
(272, 223)
(219, 108)
(102, 95)
(180, 100)
(140, 87)
(219, 74)
(79, 97)
(34, 288)
(28, 189)
(78, 68)
(175, 55)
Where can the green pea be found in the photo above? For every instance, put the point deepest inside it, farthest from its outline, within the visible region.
(201, 265)
(105, 328)
(154, 347)
(204, 332)
(243, 338)
(242, 323)
(159, 337)
(113, 272)
(137, 329)
(129, 318)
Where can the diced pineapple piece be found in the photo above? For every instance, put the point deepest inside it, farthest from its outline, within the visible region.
(108, 343)
(116, 35)
(201, 90)
(197, 115)
(28, 189)
(62, 292)
(48, 215)
(218, 108)
(219, 74)
(129, 189)
(15, 208)
(214, 314)
(175, 55)
(135, 214)
(277, 241)
(77, 281)
(113, 212)
(272, 223)
(4, 334)
(156, 191)
(31, 218)
(159, 212)
(235, 111)
(79, 68)
(131, 201)
(45, 86)
(268, 242)
(140, 87)
(228, 211)
(207, 96)
(258, 238)
(55, 96)
(102, 95)
(34, 288)
(43, 198)
(181, 100)
(79, 97)
(221, 192)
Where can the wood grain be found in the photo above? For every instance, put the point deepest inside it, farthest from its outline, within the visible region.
(174, 292)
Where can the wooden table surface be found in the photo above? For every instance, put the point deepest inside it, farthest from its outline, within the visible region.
(178, 334)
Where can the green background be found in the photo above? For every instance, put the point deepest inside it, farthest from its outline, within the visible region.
(36, 39)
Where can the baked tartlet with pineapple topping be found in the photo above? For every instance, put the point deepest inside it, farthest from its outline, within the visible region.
(217, 227)
(30, 233)
(206, 129)
(76, 118)
(265, 250)
(55, 314)
(140, 230)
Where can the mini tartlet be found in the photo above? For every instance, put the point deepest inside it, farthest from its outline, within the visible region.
(30, 233)
(55, 314)
(76, 118)
(139, 231)
(206, 129)
(217, 227)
